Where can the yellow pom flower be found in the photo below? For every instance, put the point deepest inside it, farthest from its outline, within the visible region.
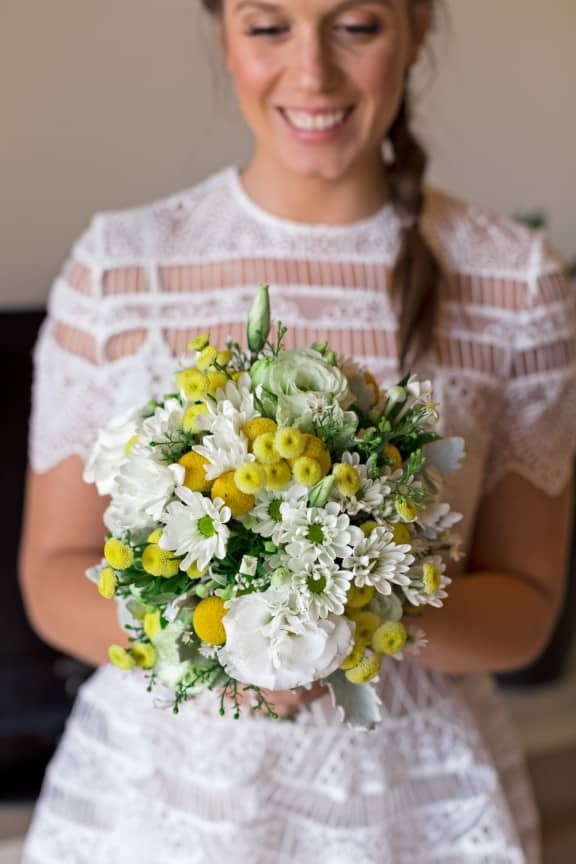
(207, 357)
(151, 623)
(258, 426)
(216, 381)
(195, 478)
(193, 384)
(354, 658)
(194, 572)
(264, 448)
(158, 562)
(432, 578)
(190, 416)
(130, 444)
(224, 487)
(199, 342)
(359, 597)
(120, 657)
(307, 471)
(119, 555)
(278, 476)
(406, 509)
(393, 456)
(316, 449)
(368, 527)
(372, 385)
(154, 536)
(402, 535)
(366, 670)
(290, 442)
(367, 623)
(347, 479)
(207, 621)
(107, 583)
(389, 638)
(250, 478)
(143, 654)
(224, 357)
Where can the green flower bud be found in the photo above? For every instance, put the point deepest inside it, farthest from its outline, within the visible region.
(320, 492)
(259, 320)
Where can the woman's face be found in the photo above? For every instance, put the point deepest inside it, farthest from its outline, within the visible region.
(320, 81)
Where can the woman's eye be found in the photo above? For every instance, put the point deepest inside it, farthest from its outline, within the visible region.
(266, 31)
(360, 29)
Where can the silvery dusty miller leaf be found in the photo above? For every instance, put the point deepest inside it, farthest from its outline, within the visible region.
(357, 704)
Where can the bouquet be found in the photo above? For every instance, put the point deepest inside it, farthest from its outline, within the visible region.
(275, 521)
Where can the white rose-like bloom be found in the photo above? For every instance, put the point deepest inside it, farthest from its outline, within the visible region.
(141, 492)
(269, 645)
(109, 452)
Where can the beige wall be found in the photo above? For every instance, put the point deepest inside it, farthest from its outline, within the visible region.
(107, 104)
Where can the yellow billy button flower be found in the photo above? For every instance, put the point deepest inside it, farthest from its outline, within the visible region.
(216, 381)
(368, 527)
(354, 658)
(191, 415)
(119, 555)
(207, 621)
(224, 487)
(193, 383)
(158, 562)
(372, 385)
(366, 670)
(250, 478)
(432, 578)
(366, 625)
(258, 426)
(278, 476)
(143, 654)
(402, 534)
(195, 478)
(151, 623)
(347, 479)
(389, 638)
(307, 471)
(120, 657)
(224, 357)
(130, 444)
(264, 448)
(393, 456)
(154, 536)
(194, 572)
(359, 597)
(316, 449)
(290, 442)
(107, 583)
(199, 342)
(406, 509)
(207, 357)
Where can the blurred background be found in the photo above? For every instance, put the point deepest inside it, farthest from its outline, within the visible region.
(112, 104)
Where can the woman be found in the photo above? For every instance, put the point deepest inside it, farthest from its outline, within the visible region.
(358, 251)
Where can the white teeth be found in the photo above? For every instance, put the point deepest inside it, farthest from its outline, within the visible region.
(314, 122)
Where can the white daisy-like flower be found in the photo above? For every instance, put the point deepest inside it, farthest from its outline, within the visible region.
(428, 582)
(378, 561)
(319, 534)
(321, 589)
(437, 517)
(109, 451)
(266, 516)
(165, 422)
(141, 492)
(196, 528)
(370, 496)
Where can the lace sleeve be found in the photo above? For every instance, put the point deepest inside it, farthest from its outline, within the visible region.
(535, 431)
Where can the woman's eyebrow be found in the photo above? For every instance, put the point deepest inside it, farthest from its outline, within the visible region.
(273, 7)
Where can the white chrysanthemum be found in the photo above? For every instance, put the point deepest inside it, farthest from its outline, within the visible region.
(225, 449)
(269, 643)
(371, 495)
(164, 423)
(196, 527)
(380, 562)
(266, 516)
(421, 590)
(142, 490)
(109, 452)
(437, 517)
(321, 589)
(318, 533)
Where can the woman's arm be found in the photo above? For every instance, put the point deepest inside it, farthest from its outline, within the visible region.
(63, 536)
(500, 615)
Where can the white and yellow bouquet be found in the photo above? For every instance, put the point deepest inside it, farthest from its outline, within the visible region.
(273, 522)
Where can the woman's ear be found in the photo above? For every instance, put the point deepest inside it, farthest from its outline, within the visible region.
(422, 19)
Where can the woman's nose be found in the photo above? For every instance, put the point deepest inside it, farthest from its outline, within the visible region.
(314, 64)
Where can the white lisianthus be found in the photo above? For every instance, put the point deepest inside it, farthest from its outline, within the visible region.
(141, 492)
(109, 451)
(378, 561)
(196, 528)
(270, 644)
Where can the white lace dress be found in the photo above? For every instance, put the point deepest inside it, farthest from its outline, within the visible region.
(442, 779)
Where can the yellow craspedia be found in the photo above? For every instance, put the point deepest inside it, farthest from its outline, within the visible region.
(194, 572)
(366, 670)
(393, 456)
(402, 534)
(119, 555)
(107, 583)
(432, 578)
(151, 623)
(250, 478)
(316, 449)
(389, 638)
(193, 383)
(224, 357)
(359, 597)
(354, 658)
(130, 444)
(347, 479)
(264, 448)
(207, 621)
(368, 527)
(216, 381)
(143, 654)
(224, 487)
(367, 623)
(278, 476)
(258, 426)
(195, 478)
(159, 562)
(207, 357)
(307, 471)
(199, 342)
(406, 509)
(191, 415)
(154, 536)
(290, 442)
(120, 657)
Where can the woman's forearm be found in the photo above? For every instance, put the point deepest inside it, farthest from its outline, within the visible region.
(490, 622)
